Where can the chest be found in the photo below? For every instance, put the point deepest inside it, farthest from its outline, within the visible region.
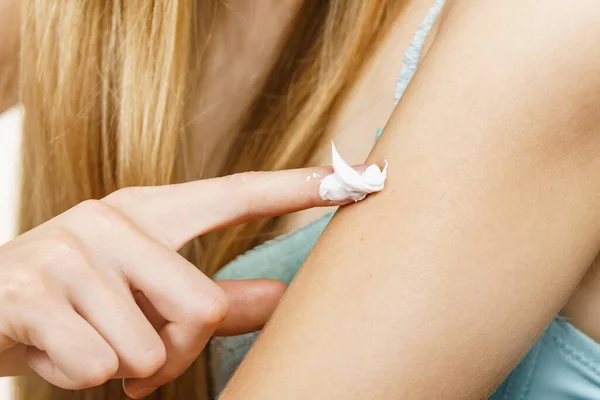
(370, 103)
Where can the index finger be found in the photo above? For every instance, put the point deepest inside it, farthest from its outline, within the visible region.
(175, 214)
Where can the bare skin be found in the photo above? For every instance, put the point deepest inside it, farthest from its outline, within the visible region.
(100, 292)
(367, 108)
(584, 305)
(493, 158)
(241, 52)
(370, 103)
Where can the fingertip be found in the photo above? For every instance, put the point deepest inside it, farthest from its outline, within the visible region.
(316, 177)
(133, 390)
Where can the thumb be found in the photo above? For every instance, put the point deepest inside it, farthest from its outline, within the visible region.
(251, 304)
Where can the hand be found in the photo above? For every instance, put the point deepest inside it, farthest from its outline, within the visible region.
(100, 292)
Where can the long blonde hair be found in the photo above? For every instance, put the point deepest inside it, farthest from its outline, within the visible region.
(105, 85)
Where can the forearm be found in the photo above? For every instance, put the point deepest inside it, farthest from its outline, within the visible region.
(438, 285)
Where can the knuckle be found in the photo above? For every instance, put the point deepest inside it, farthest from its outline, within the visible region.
(216, 311)
(65, 253)
(208, 310)
(98, 372)
(99, 213)
(132, 194)
(149, 362)
(91, 207)
(241, 186)
(23, 285)
(63, 244)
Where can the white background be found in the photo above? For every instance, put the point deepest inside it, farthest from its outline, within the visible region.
(10, 129)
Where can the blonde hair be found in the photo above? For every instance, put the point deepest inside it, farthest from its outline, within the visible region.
(105, 86)
(9, 48)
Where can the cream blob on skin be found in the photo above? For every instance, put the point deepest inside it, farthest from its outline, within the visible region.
(347, 184)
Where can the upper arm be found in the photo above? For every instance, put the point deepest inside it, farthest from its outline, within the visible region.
(9, 52)
(490, 217)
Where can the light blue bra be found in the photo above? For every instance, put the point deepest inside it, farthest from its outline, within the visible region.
(563, 364)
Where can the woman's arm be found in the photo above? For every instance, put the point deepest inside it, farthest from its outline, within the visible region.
(9, 53)
(436, 287)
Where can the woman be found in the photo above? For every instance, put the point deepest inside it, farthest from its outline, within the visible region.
(435, 288)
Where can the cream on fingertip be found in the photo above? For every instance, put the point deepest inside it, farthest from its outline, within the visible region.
(348, 184)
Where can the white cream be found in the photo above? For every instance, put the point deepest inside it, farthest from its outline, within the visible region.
(347, 184)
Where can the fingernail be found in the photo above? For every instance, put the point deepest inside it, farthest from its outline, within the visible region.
(341, 202)
(360, 167)
(138, 393)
